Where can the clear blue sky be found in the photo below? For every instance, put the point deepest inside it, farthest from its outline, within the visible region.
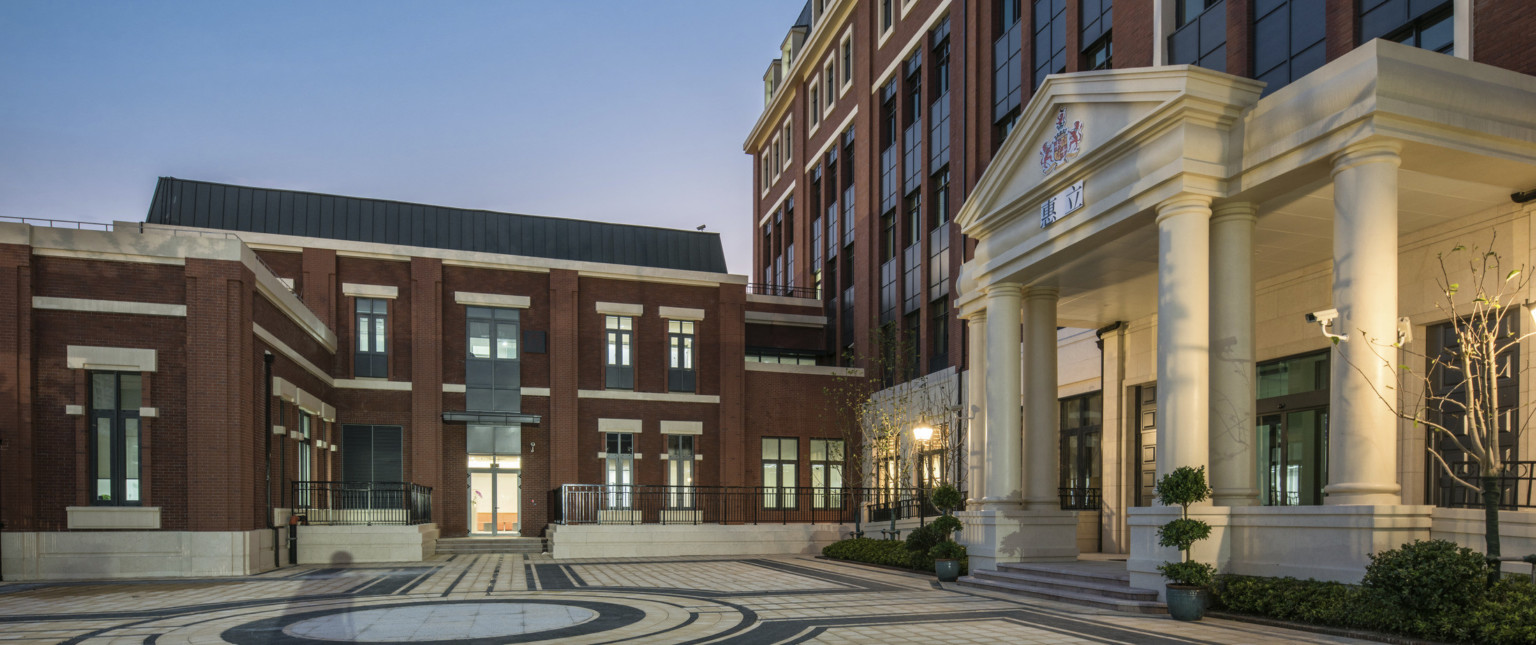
(626, 111)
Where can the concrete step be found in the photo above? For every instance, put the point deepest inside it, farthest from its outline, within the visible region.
(1078, 573)
(1070, 597)
(492, 545)
(1107, 589)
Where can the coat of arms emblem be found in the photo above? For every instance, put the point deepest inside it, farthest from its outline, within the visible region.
(1065, 145)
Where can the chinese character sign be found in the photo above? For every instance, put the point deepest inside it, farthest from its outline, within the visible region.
(1061, 204)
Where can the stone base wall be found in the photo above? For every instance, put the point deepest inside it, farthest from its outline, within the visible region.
(1464, 526)
(992, 537)
(1322, 542)
(651, 540)
(354, 544)
(90, 555)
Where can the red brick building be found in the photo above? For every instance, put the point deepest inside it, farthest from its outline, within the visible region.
(490, 357)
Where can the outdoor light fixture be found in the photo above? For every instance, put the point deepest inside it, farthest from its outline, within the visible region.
(922, 433)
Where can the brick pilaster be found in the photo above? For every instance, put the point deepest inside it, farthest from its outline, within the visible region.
(733, 357)
(561, 422)
(425, 434)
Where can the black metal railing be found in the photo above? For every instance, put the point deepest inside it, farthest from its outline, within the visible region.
(768, 289)
(1519, 483)
(638, 504)
(1080, 499)
(360, 503)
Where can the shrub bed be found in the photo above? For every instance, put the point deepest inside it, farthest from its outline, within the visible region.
(893, 553)
(1432, 590)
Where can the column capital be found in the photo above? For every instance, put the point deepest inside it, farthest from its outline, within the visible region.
(978, 317)
(1364, 152)
(1004, 290)
(1235, 211)
(1036, 292)
(1184, 204)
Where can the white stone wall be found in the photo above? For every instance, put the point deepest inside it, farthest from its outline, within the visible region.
(1464, 526)
(378, 543)
(83, 555)
(653, 540)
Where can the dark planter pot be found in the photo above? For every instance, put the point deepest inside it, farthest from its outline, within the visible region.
(948, 570)
(1186, 602)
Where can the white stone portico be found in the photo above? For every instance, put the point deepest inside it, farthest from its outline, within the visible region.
(1194, 191)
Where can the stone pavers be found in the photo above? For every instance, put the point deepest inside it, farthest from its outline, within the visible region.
(532, 598)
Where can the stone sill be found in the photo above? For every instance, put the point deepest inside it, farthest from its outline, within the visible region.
(114, 517)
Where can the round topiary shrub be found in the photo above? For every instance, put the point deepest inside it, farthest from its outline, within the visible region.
(1428, 577)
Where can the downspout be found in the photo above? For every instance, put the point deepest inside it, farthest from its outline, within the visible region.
(266, 359)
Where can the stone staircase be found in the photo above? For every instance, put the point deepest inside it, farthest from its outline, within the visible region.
(1104, 585)
(493, 545)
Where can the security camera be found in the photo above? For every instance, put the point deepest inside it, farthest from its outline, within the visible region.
(1324, 320)
(1324, 317)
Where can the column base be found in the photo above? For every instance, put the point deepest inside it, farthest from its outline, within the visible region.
(1322, 542)
(1236, 497)
(1362, 493)
(1017, 535)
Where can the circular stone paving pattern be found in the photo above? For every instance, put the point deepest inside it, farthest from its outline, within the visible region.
(458, 620)
(480, 622)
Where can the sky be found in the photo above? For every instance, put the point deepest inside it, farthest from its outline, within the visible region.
(627, 111)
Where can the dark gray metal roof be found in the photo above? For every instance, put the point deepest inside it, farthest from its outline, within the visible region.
(182, 202)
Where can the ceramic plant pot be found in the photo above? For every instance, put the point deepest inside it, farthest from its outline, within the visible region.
(1186, 602)
(948, 570)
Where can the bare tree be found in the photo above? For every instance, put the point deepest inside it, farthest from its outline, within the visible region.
(1467, 419)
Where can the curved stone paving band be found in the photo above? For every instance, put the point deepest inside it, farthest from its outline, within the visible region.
(534, 599)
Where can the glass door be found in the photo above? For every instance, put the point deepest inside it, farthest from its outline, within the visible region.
(1295, 456)
(494, 494)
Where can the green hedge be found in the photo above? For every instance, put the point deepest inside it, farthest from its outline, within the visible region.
(1505, 613)
(893, 553)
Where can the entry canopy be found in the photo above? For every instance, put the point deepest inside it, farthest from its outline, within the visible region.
(492, 418)
(1070, 199)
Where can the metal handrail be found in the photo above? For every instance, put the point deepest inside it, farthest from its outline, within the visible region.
(1080, 499)
(770, 289)
(655, 504)
(362, 503)
(1518, 482)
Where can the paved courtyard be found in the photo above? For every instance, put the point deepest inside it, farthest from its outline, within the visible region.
(526, 599)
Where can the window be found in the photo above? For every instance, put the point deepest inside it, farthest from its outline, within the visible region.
(912, 254)
(1096, 19)
(115, 437)
(1007, 69)
(938, 334)
(494, 440)
(938, 237)
(778, 156)
(1447, 400)
(492, 376)
(789, 145)
(1423, 23)
(680, 372)
(619, 466)
(815, 103)
(938, 111)
(887, 17)
(780, 455)
(306, 458)
(780, 356)
(1288, 40)
(1050, 39)
(829, 90)
(1081, 464)
(912, 134)
(372, 454)
(889, 189)
(827, 473)
(762, 164)
(372, 357)
(846, 51)
(1201, 35)
(680, 471)
(621, 337)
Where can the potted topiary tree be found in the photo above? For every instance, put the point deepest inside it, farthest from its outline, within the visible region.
(1187, 580)
(947, 553)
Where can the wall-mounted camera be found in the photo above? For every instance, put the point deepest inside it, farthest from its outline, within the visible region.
(1324, 320)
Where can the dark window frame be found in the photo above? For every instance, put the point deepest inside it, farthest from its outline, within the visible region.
(781, 492)
(619, 351)
(371, 352)
(682, 356)
(118, 417)
(493, 382)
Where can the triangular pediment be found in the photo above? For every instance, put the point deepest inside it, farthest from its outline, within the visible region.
(1078, 121)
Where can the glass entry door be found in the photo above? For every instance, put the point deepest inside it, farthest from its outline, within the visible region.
(1295, 457)
(493, 501)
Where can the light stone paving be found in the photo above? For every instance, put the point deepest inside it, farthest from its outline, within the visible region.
(529, 599)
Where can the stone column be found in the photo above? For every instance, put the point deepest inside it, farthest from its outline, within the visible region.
(1183, 332)
(1362, 446)
(1042, 427)
(1004, 439)
(976, 425)
(1233, 453)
